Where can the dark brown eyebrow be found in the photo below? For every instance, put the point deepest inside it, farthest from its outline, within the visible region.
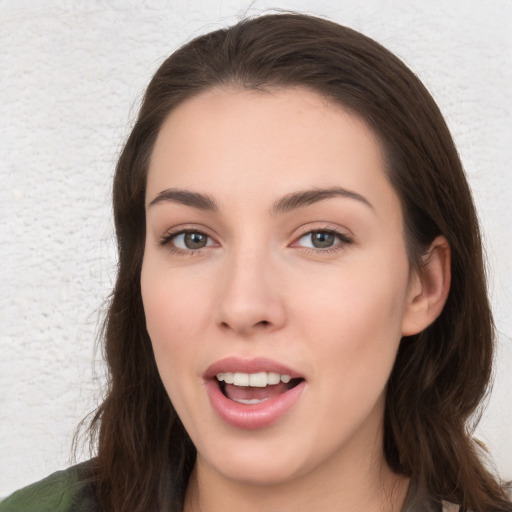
(288, 202)
(308, 197)
(187, 198)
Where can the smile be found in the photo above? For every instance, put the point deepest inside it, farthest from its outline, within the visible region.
(252, 399)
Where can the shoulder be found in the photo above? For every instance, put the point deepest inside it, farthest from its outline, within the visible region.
(69, 490)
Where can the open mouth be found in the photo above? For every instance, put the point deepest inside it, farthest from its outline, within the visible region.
(255, 388)
(253, 393)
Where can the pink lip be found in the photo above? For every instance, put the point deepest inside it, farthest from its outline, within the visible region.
(250, 416)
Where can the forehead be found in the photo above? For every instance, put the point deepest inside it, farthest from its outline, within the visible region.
(227, 141)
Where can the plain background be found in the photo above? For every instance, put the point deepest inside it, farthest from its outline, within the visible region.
(72, 75)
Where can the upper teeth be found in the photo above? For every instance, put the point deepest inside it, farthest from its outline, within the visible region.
(258, 380)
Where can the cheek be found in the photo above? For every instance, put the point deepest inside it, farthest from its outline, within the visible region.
(353, 342)
(166, 314)
(176, 307)
(354, 320)
(171, 301)
(175, 320)
(356, 299)
(164, 323)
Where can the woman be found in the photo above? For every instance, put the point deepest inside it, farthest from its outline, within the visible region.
(300, 319)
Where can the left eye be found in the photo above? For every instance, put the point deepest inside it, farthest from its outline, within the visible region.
(321, 239)
(191, 240)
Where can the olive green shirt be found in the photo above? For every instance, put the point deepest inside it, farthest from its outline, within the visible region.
(63, 491)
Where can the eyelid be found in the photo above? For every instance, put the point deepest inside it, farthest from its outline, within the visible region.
(165, 239)
(312, 227)
(344, 238)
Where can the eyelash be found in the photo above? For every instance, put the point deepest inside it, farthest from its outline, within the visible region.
(343, 240)
(166, 240)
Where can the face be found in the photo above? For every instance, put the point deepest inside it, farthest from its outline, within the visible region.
(275, 281)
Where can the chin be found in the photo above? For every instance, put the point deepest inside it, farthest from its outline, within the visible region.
(260, 466)
(262, 473)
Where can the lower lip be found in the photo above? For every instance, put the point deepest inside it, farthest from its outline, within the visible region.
(252, 416)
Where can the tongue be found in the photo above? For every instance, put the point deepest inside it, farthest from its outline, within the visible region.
(249, 393)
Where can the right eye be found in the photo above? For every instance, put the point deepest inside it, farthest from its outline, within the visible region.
(188, 240)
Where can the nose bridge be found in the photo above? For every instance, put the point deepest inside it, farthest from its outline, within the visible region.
(250, 292)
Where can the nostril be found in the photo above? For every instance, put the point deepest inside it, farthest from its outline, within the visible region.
(240, 326)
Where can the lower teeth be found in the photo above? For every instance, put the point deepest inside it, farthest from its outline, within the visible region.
(249, 402)
(289, 385)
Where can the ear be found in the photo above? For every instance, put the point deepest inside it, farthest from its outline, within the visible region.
(429, 287)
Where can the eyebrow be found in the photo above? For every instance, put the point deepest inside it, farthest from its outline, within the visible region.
(289, 202)
(187, 198)
(307, 197)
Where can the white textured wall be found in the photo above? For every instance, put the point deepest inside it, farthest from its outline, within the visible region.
(72, 73)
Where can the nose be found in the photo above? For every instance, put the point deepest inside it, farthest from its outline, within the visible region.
(251, 297)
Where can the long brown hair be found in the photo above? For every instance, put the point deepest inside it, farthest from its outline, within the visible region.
(440, 376)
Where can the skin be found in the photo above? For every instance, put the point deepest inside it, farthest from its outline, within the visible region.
(260, 289)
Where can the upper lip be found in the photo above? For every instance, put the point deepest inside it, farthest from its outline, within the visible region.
(255, 365)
